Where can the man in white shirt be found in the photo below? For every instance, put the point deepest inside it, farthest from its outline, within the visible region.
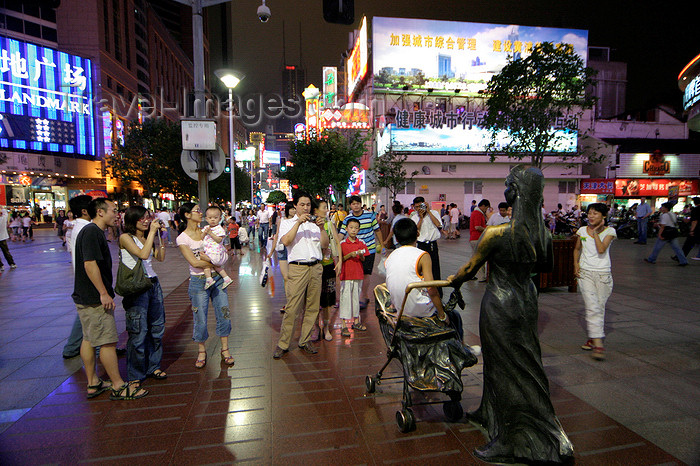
(304, 240)
(79, 206)
(429, 226)
(4, 236)
(499, 217)
(263, 224)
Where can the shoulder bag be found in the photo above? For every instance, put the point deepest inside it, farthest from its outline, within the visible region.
(131, 281)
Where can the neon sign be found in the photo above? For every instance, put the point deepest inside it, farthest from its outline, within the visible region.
(45, 100)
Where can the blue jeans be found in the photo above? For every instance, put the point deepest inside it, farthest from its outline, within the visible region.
(145, 322)
(660, 243)
(642, 229)
(75, 339)
(200, 307)
(264, 228)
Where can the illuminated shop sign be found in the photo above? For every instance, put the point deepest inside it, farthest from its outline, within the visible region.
(45, 100)
(357, 184)
(466, 138)
(598, 186)
(450, 55)
(350, 116)
(654, 187)
(330, 86)
(691, 95)
(656, 165)
(356, 65)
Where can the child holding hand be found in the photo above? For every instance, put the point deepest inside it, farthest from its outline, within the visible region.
(354, 251)
(214, 250)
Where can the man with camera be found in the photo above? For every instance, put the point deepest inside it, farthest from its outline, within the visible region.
(429, 226)
(304, 237)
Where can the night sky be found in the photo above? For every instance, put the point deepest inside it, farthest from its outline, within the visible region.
(655, 39)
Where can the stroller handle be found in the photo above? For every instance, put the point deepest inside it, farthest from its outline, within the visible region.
(415, 285)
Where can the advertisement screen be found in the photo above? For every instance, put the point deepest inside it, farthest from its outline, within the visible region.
(357, 183)
(45, 100)
(655, 187)
(357, 62)
(450, 55)
(271, 156)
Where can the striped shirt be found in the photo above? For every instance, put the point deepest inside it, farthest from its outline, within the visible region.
(368, 225)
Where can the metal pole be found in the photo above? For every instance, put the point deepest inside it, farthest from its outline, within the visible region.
(251, 183)
(231, 152)
(199, 102)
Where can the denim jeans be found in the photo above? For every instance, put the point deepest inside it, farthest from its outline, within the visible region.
(145, 322)
(200, 307)
(264, 228)
(660, 243)
(642, 229)
(72, 346)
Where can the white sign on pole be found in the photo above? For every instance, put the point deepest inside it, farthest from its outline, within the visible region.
(216, 162)
(198, 135)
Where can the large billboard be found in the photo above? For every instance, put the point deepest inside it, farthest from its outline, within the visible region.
(46, 101)
(356, 65)
(450, 55)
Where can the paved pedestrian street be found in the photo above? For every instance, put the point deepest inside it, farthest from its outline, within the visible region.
(639, 407)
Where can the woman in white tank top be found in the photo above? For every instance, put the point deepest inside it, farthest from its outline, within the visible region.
(145, 314)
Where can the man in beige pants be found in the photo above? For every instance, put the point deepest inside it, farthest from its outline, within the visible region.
(304, 240)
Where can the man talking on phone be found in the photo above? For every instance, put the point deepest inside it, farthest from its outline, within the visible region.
(429, 226)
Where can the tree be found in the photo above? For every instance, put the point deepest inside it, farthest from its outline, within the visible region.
(532, 95)
(389, 172)
(220, 188)
(327, 161)
(150, 156)
(276, 197)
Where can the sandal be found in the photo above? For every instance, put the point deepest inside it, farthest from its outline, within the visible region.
(199, 363)
(327, 334)
(360, 327)
(228, 360)
(345, 332)
(588, 345)
(128, 392)
(158, 374)
(99, 388)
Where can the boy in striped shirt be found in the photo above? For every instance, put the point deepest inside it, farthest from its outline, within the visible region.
(369, 234)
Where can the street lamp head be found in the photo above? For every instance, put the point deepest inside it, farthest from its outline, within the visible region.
(229, 77)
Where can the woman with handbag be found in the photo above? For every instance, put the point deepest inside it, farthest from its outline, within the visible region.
(190, 242)
(143, 297)
(668, 234)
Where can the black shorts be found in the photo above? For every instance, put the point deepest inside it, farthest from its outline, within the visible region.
(368, 264)
(328, 286)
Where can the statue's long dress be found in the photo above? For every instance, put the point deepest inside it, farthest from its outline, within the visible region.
(515, 407)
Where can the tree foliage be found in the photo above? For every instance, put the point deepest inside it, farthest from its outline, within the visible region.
(220, 188)
(325, 162)
(276, 197)
(150, 156)
(389, 172)
(533, 94)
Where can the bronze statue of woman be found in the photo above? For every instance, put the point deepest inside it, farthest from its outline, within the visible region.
(515, 409)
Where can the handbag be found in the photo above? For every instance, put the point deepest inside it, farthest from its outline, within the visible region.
(131, 281)
(669, 233)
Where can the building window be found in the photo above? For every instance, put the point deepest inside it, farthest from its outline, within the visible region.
(49, 34)
(116, 31)
(567, 187)
(449, 168)
(32, 29)
(105, 14)
(127, 36)
(410, 187)
(473, 187)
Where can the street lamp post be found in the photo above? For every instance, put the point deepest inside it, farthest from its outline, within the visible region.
(230, 79)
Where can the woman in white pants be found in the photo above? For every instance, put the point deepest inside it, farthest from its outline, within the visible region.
(593, 270)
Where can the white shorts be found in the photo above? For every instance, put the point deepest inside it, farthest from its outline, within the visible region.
(350, 299)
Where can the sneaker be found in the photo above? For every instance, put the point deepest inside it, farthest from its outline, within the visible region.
(588, 345)
(682, 265)
(674, 258)
(13, 266)
(309, 348)
(227, 282)
(598, 353)
(279, 352)
(209, 283)
(648, 261)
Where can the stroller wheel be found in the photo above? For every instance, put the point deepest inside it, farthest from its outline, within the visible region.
(370, 384)
(452, 410)
(405, 420)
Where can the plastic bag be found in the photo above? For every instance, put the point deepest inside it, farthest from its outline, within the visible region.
(264, 273)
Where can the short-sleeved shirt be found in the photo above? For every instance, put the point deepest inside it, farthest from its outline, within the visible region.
(668, 219)
(197, 247)
(264, 216)
(306, 246)
(428, 231)
(643, 209)
(368, 225)
(233, 230)
(91, 245)
(352, 267)
(477, 220)
(590, 258)
(454, 215)
(497, 219)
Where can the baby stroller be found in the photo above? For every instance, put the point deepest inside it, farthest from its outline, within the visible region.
(432, 354)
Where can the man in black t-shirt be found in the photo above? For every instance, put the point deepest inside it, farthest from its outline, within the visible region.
(692, 238)
(94, 297)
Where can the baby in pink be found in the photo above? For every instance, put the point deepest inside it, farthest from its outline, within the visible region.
(214, 250)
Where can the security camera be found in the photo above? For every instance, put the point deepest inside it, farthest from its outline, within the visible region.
(264, 13)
